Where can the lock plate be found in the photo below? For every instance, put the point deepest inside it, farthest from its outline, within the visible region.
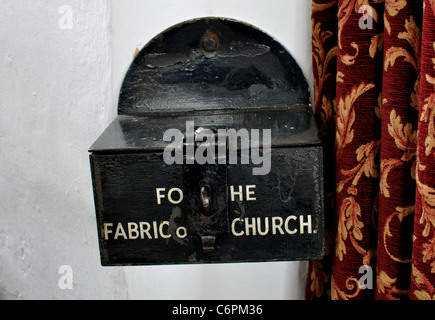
(206, 204)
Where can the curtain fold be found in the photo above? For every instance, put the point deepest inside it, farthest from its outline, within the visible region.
(374, 87)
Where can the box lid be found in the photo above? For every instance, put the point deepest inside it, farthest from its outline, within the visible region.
(291, 126)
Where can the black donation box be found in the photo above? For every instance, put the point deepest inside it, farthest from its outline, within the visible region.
(214, 156)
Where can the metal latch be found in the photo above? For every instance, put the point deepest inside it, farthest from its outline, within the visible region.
(205, 187)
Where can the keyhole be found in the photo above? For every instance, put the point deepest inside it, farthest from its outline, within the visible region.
(205, 195)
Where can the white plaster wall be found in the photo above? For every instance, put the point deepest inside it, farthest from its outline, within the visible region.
(55, 98)
(58, 92)
(133, 24)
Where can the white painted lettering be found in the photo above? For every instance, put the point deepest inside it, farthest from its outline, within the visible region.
(239, 193)
(277, 225)
(180, 196)
(133, 232)
(107, 231)
(144, 230)
(250, 226)
(155, 229)
(163, 235)
(120, 232)
(178, 199)
(305, 224)
(249, 193)
(181, 232)
(266, 226)
(286, 225)
(233, 228)
(256, 226)
(159, 195)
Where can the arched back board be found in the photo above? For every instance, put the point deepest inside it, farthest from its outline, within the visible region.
(211, 64)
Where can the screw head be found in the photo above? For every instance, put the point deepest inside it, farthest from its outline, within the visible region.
(209, 44)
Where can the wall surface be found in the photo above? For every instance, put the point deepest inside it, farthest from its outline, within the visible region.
(62, 65)
(54, 98)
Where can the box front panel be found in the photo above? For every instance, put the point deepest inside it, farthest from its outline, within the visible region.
(143, 208)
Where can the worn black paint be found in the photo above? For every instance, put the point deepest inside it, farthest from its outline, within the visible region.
(245, 79)
(248, 70)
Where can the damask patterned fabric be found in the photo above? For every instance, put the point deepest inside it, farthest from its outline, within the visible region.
(374, 83)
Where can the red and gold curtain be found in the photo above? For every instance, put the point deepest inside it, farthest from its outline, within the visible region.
(374, 83)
